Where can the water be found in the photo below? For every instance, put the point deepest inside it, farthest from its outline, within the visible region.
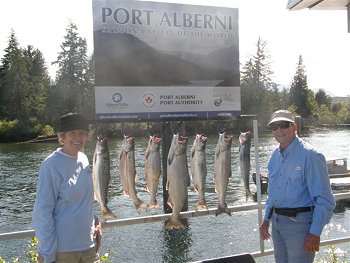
(204, 237)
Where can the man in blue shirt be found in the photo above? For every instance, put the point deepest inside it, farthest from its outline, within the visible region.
(300, 201)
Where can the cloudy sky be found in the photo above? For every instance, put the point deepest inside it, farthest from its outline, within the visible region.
(319, 36)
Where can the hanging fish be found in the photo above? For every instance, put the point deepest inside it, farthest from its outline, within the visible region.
(199, 169)
(127, 171)
(177, 180)
(222, 170)
(152, 170)
(101, 176)
(244, 160)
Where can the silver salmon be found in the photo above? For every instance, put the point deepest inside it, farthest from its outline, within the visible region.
(177, 180)
(152, 170)
(101, 176)
(199, 169)
(244, 160)
(222, 171)
(122, 167)
(127, 171)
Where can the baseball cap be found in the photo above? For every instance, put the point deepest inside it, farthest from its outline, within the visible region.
(72, 121)
(281, 115)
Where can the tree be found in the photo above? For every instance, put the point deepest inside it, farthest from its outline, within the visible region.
(299, 93)
(323, 99)
(88, 99)
(72, 84)
(257, 86)
(38, 83)
(14, 82)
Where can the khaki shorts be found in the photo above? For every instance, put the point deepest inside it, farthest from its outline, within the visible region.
(87, 256)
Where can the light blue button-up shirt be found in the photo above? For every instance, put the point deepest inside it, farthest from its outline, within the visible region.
(63, 216)
(298, 177)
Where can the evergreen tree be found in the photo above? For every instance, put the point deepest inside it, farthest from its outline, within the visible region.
(300, 95)
(284, 96)
(72, 85)
(323, 99)
(88, 99)
(257, 86)
(14, 99)
(38, 83)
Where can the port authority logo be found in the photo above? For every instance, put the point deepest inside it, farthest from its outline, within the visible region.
(117, 98)
(148, 100)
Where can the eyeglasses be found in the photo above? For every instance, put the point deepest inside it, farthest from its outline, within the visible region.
(282, 125)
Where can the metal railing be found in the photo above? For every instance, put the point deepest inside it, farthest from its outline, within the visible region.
(188, 214)
(191, 214)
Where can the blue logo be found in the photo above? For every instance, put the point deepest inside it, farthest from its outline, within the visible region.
(117, 97)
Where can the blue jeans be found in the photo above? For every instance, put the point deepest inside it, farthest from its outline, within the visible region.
(288, 235)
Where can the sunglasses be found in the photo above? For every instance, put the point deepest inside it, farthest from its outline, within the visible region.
(282, 125)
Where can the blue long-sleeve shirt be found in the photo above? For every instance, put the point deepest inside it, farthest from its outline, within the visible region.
(63, 217)
(298, 177)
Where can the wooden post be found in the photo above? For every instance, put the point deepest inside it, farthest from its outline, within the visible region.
(298, 123)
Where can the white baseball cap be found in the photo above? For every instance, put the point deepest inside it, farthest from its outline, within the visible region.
(281, 115)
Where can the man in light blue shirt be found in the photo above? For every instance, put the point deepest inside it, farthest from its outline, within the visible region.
(300, 201)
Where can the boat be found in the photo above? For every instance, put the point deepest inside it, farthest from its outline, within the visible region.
(340, 180)
(339, 174)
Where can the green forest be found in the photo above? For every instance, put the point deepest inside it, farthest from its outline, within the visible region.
(30, 100)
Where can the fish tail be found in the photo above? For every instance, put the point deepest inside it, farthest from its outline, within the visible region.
(174, 223)
(201, 205)
(139, 205)
(248, 194)
(153, 204)
(107, 213)
(222, 209)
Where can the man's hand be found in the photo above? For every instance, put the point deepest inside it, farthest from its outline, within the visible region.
(98, 236)
(312, 243)
(264, 230)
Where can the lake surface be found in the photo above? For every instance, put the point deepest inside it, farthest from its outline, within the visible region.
(204, 237)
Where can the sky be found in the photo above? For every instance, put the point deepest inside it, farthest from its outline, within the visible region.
(320, 37)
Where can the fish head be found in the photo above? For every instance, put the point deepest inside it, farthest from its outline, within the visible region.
(128, 143)
(154, 142)
(245, 137)
(225, 140)
(200, 141)
(101, 144)
(101, 138)
(155, 139)
(179, 143)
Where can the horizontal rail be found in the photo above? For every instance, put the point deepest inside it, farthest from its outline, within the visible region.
(155, 218)
(187, 214)
(323, 243)
(137, 220)
(17, 235)
(341, 196)
(269, 252)
(340, 175)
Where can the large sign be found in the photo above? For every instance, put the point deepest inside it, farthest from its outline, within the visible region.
(162, 61)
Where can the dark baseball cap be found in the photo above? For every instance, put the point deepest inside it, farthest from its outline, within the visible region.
(72, 121)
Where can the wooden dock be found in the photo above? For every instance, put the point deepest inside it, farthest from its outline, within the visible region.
(340, 183)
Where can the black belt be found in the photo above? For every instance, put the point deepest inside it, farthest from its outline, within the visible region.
(291, 212)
